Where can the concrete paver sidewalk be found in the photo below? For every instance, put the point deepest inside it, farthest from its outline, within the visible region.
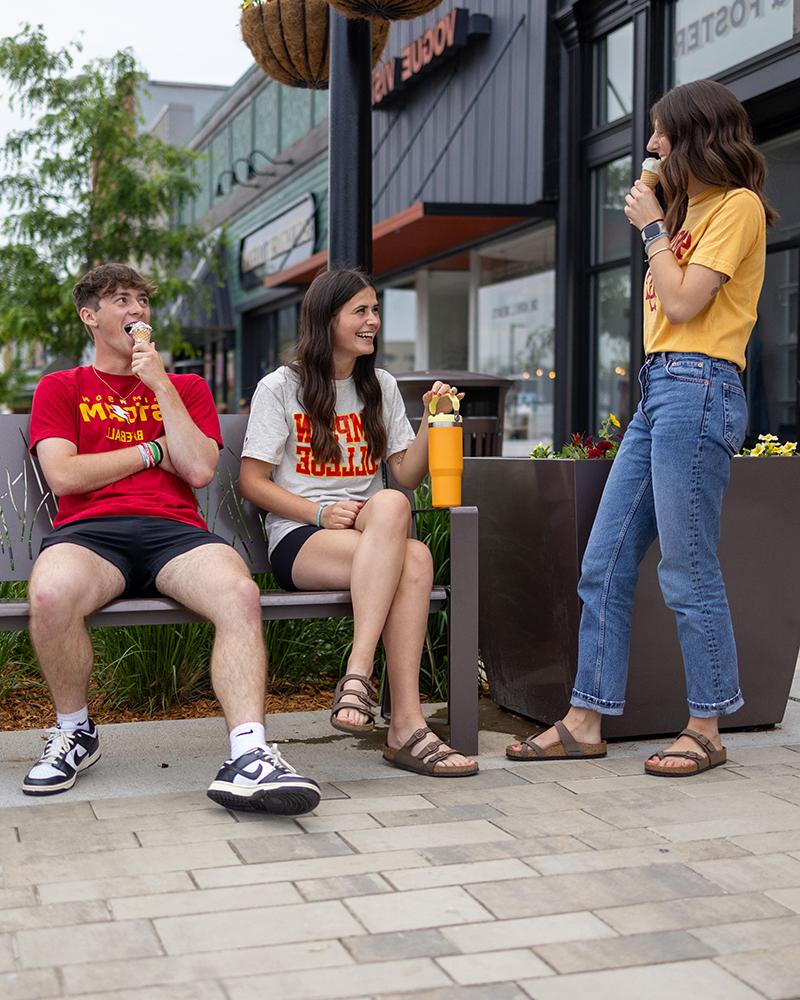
(543, 881)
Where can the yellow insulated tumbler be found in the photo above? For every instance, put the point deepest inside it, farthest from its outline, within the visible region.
(445, 453)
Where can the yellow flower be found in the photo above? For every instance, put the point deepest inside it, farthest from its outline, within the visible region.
(759, 449)
(613, 420)
(767, 437)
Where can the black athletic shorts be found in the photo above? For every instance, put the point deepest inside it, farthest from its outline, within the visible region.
(140, 547)
(285, 552)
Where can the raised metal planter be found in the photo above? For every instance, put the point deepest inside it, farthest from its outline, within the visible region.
(536, 516)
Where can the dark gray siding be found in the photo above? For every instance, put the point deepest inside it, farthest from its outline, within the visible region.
(497, 155)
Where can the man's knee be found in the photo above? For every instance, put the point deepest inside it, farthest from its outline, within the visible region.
(239, 597)
(53, 596)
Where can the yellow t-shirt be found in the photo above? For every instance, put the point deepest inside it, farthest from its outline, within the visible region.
(724, 230)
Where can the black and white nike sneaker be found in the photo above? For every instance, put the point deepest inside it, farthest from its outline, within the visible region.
(65, 755)
(262, 781)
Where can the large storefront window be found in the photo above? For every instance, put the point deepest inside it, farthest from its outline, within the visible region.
(516, 332)
(772, 356)
(711, 36)
(613, 68)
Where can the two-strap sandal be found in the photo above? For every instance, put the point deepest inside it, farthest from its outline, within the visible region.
(430, 759)
(567, 748)
(364, 700)
(698, 762)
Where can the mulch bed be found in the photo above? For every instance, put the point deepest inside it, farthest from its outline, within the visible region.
(34, 710)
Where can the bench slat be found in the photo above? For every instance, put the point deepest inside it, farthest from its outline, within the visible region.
(14, 615)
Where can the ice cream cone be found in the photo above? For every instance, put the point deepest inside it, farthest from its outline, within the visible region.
(650, 172)
(141, 333)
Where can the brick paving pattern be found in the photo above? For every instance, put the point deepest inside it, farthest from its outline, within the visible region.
(544, 882)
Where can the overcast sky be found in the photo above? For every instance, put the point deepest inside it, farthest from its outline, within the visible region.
(195, 42)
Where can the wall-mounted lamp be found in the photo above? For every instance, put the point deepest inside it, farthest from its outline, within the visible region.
(251, 169)
(234, 181)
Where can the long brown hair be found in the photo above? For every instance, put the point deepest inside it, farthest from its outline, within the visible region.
(313, 365)
(710, 135)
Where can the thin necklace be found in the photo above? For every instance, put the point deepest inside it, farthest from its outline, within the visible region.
(122, 399)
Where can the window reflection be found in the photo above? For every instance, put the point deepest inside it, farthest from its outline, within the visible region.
(398, 334)
(613, 60)
(613, 338)
(612, 233)
(771, 372)
(516, 332)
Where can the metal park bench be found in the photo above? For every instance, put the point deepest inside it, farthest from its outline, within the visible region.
(27, 509)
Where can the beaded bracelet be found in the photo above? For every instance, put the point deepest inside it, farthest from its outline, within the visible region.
(148, 458)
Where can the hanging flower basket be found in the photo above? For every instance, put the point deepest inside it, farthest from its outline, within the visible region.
(390, 10)
(289, 40)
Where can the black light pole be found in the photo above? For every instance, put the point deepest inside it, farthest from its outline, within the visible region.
(350, 143)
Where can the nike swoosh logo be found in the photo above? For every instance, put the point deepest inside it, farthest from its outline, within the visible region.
(80, 754)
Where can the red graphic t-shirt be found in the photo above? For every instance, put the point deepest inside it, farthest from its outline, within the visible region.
(77, 406)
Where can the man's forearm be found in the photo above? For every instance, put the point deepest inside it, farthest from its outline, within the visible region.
(85, 473)
(192, 453)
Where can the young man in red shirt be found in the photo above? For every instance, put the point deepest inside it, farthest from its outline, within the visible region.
(122, 443)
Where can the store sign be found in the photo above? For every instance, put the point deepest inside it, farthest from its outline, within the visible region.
(711, 36)
(444, 40)
(283, 241)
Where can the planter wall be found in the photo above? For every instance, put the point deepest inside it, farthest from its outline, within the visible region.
(536, 516)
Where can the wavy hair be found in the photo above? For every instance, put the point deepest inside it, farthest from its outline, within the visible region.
(313, 365)
(710, 135)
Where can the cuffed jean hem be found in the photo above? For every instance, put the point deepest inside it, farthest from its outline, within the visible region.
(581, 700)
(701, 711)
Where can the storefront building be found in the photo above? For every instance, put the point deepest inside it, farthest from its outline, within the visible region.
(505, 135)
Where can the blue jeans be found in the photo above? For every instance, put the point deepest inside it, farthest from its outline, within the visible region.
(667, 481)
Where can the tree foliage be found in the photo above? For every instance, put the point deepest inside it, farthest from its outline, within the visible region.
(82, 185)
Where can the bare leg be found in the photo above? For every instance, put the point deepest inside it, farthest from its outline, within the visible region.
(67, 584)
(214, 581)
(365, 560)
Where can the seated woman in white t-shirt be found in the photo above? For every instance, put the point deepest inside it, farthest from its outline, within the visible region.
(318, 431)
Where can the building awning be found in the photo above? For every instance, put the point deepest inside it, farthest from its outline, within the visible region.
(418, 233)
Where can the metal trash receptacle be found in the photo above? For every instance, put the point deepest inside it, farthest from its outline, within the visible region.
(483, 408)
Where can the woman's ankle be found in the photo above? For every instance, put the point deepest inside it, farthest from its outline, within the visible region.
(585, 721)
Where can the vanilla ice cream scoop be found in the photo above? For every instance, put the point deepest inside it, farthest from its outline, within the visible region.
(650, 172)
(141, 333)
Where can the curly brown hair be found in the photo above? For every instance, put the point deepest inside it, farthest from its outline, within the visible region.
(710, 136)
(313, 365)
(105, 280)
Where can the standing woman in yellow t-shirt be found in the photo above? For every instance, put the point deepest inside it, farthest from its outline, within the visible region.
(706, 267)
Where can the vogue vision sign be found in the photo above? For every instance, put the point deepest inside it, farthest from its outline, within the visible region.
(451, 33)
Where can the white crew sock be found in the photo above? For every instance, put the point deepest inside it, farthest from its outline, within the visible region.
(246, 737)
(69, 722)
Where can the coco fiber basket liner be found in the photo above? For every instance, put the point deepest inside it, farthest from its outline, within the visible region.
(391, 10)
(289, 40)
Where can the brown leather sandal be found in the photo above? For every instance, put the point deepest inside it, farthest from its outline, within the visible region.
(429, 761)
(567, 749)
(699, 762)
(367, 704)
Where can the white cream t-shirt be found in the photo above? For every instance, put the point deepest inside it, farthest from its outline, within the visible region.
(279, 432)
